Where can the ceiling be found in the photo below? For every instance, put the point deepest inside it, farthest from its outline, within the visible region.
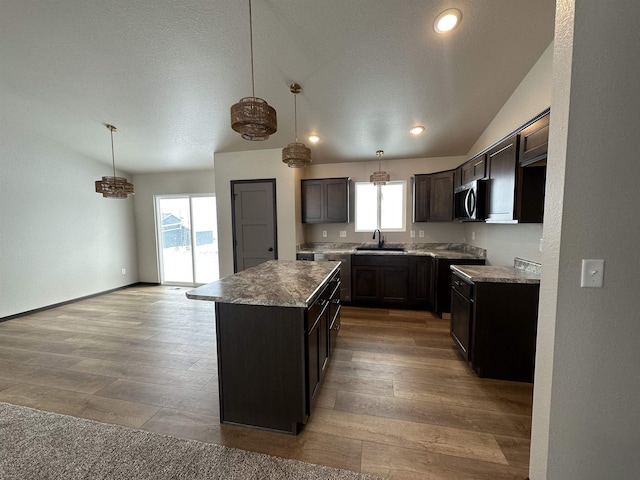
(166, 72)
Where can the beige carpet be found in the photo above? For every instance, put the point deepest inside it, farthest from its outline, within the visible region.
(38, 445)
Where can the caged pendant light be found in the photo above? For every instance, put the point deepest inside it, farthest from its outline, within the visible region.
(114, 187)
(296, 155)
(252, 117)
(380, 177)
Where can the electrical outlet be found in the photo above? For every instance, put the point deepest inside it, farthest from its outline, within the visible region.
(343, 233)
(413, 234)
(324, 233)
(541, 244)
(421, 233)
(592, 273)
(123, 271)
(473, 235)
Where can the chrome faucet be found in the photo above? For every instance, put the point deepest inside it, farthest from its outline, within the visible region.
(380, 238)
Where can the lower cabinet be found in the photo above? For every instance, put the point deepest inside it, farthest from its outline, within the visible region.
(421, 274)
(417, 281)
(380, 279)
(461, 314)
(494, 326)
(323, 319)
(442, 282)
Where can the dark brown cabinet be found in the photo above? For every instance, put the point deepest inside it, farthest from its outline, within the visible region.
(532, 172)
(325, 200)
(323, 320)
(534, 141)
(494, 326)
(474, 169)
(420, 280)
(380, 279)
(405, 280)
(457, 177)
(461, 314)
(421, 184)
(442, 281)
(502, 160)
(433, 197)
(517, 171)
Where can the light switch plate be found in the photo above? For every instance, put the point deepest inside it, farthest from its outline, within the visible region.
(592, 273)
(343, 233)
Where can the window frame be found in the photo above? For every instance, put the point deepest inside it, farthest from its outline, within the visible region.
(379, 201)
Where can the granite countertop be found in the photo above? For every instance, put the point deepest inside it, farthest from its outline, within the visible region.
(493, 274)
(436, 250)
(281, 283)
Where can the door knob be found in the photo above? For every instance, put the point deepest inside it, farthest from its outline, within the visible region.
(271, 249)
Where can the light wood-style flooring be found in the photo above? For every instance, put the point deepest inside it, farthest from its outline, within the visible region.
(397, 401)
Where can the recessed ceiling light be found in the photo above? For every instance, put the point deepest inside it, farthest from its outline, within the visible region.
(314, 138)
(447, 20)
(417, 130)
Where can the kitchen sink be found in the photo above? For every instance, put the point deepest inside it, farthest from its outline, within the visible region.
(380, 249)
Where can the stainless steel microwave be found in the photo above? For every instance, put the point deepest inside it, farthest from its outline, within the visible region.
(470, 201)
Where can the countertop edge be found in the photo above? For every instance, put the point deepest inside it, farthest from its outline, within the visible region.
(497, 275)
(240, 300)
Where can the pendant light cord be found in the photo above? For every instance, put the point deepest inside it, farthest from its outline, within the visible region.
(295, 116)
(253, 88)
(113, 157)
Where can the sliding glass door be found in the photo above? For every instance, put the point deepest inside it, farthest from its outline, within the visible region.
(187, 239)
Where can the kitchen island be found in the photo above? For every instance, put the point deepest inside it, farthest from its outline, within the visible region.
(276, 325)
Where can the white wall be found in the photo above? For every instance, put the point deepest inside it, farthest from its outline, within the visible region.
(257, 164)
(59, 240)
(533, 95)
(435, 232)
(586, 410)
(147, 185)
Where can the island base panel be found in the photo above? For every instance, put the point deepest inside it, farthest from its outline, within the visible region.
(261, 366)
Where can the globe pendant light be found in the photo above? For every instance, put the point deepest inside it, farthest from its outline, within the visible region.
(252, 117)
(114, 187)
(380, 177)
(296, 155)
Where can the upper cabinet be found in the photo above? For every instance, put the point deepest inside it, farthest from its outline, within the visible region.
(325, 200)
(534, 141)
(517, 171)
(433, 197)
(502, 160)
(532, 172)
(474, 169)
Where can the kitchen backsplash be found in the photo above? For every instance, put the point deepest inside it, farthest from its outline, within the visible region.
(409, 246)
(527, 265)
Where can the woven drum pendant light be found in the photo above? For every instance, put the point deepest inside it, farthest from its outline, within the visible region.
(380, 177)
(252, 117)
(296, 155)
(114, 187)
